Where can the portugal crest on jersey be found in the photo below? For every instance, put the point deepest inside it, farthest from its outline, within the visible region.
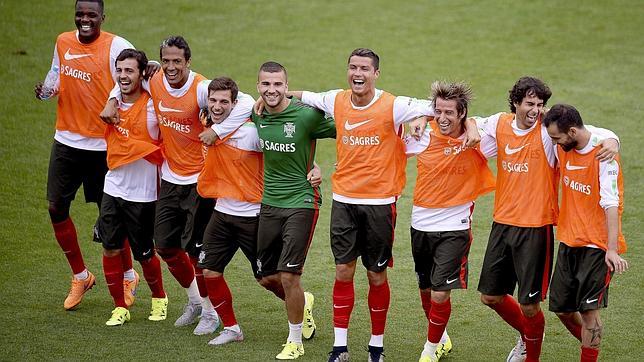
(289, 129)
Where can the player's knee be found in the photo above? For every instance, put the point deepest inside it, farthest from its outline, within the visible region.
(207, 273)
(440, 296)
(565, 316)
(491, 300)
(289, 280)
(58, 212)
(530, 310)
(110, 253)
(345, 272)
(168, 253)
(377, 278)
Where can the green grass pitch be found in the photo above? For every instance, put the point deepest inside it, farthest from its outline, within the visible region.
(591, 53)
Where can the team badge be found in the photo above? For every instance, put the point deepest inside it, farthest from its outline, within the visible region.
(566, 180)
(289, 129)
(447, 151)
(259, 265)
(202, 256)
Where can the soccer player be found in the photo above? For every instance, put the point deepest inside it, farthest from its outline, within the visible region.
(450, 178)
(592, 202)
(369, 177)
(288, 130)
(83, 71)
(233, 175)
(519, 249)
(181, 214)
(130, 191)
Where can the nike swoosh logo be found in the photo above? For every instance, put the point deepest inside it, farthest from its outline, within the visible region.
(341, 306)
(570, 167)
(451, 281)
(511, 151)
(588, 301)
(289, 265)
(348, 126)
(165, 109)
(378, 310)
(383, 263)
(263, 125)
(219, 305)
(69, 56)
(530, 295)
(147, 252)
(198, 245)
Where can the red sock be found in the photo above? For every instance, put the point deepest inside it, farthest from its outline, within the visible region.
(438, 318)
(126, 255)
(113, 270)
(510, 310)
(426, 301)
(378, 301)
(179, 266)
(533, 335)
(343, 299)
(201, 283)
(221, 298)
(153, 276)
(589, 354)
(65, 232)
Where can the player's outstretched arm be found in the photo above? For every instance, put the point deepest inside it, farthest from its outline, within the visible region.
(472, 135)
(609, 150)
(615, 262)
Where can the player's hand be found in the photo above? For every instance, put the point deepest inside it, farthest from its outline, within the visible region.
(615, 262)
(472, 135)
(150, 69)
(204, 117)
(38, 90)
(258, 108)
(208, 136)
(609, 150)
(417, 127)
(315, 176)
(110, 113)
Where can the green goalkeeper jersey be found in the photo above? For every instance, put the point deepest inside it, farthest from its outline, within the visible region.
(288, 141)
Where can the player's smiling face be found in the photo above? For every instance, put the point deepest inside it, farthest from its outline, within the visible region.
(220, 104)
(176, 68)
(362, 75)
(272, 87)
(528, 111)
(128, 75)
(88, 19)
(567, 141)
(448, 119)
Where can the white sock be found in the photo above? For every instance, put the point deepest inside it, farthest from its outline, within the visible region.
(129, 275)
(193, 293)
(294, 333)
(206, 307)
(340, 337)
(377, 341)
(444, 336)
(234, 328)
(429, 349)
(82, 275)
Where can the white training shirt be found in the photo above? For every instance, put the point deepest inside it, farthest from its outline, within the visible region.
(452, 218)
(239, 115)
(136, 181)
(73, 139)
(406, 109)
(245, 138)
